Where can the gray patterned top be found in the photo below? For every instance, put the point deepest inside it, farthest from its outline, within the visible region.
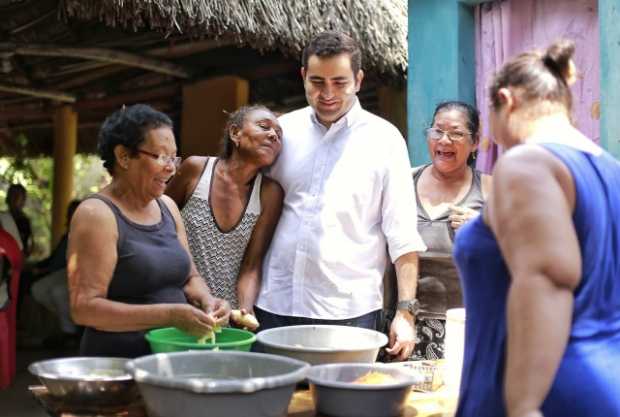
(217, 254)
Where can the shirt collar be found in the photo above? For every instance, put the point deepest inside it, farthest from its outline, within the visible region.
(349, 118)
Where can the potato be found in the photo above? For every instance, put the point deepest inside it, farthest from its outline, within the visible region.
(245, 320)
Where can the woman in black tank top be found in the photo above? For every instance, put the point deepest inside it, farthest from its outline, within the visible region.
(128, 259)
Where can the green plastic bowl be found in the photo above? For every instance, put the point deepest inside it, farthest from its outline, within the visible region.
(171, 339)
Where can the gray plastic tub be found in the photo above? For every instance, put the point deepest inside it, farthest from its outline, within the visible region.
(319, 344)
(335, 394)
(216, 384)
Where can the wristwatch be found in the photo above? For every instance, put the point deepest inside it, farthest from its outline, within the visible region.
(412, 306)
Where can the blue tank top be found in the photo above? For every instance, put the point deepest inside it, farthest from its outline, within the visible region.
(586, 382)
(152, 268)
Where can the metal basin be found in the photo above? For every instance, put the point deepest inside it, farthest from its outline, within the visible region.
(319, 344)
(335, 394)
(87, 383)
(217, 384)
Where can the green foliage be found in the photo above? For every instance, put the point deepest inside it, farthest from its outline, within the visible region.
(36, 175)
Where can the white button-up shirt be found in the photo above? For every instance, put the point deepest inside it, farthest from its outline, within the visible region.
(348, 196)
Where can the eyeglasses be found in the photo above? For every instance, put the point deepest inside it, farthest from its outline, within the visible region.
(434, 133)
(163, 160)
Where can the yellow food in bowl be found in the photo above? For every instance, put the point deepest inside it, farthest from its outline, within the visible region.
(375, 378)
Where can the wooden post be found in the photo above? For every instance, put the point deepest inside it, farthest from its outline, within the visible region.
(609, 13)
(65, 143)
(204, 106)
(393, 106)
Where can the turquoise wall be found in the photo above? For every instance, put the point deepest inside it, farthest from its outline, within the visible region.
(609, 17)
(441, 64)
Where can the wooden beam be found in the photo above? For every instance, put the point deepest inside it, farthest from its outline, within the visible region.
(54, 95)
(108, 56)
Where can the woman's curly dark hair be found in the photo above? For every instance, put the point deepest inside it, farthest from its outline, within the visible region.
(128, 126)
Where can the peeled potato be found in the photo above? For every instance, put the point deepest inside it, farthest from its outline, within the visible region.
(245, 320)
(374, 377)
(210, 336)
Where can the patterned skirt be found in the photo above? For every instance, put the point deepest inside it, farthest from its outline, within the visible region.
(430, 339)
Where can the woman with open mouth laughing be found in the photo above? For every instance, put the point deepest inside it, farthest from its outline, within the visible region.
(449, 192)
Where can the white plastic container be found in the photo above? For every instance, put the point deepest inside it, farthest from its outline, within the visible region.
(454, 346)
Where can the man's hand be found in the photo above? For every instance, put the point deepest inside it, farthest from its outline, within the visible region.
(402, 336)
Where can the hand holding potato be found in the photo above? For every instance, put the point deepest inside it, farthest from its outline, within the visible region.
(460, 215)
(244, 319)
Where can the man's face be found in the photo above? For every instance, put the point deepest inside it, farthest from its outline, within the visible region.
(331, 86)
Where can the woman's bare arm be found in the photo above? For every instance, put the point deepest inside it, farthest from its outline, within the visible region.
(248, 284)
(182, 185)
(530, 212)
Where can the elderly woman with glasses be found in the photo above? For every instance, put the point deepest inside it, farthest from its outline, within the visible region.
(129, 264)
(449, 192)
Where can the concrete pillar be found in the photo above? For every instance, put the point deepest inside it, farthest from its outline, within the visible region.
(441, 63)
(65, 144)
(609, 16)
(204, 117)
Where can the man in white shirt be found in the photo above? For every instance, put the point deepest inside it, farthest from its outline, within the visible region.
(348, 196)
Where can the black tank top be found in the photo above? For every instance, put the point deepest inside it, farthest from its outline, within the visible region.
(152, 267)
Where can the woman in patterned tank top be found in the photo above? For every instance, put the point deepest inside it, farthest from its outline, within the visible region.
(229, 209)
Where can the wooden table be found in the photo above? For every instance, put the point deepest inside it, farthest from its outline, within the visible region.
(431, 404)
(434, 404)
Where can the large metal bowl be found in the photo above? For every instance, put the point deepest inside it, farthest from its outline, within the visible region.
(335, 394)
(217, 384)
(87, 383)
(319, 344)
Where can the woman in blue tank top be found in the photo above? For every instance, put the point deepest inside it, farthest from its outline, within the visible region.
(540, 269)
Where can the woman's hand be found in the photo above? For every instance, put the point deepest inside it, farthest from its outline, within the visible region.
(460, 215)
(191, 320)
(217, 308)
(245, 319)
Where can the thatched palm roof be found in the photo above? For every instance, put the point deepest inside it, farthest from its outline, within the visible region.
(285, 25)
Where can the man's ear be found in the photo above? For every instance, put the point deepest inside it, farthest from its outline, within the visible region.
(358, 80)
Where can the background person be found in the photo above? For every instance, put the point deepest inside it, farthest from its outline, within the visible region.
(229, 208)
(449, 192)
(51, 289)
(129, 265)
(540, 269)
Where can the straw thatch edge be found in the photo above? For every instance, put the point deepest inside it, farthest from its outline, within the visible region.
(380, 26)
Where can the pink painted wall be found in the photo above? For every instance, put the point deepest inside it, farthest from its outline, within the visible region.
(507, 27)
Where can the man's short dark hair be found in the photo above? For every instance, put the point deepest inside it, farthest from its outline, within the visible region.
(331, 43)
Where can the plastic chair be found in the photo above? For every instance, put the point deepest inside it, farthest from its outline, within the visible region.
(8, 314)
